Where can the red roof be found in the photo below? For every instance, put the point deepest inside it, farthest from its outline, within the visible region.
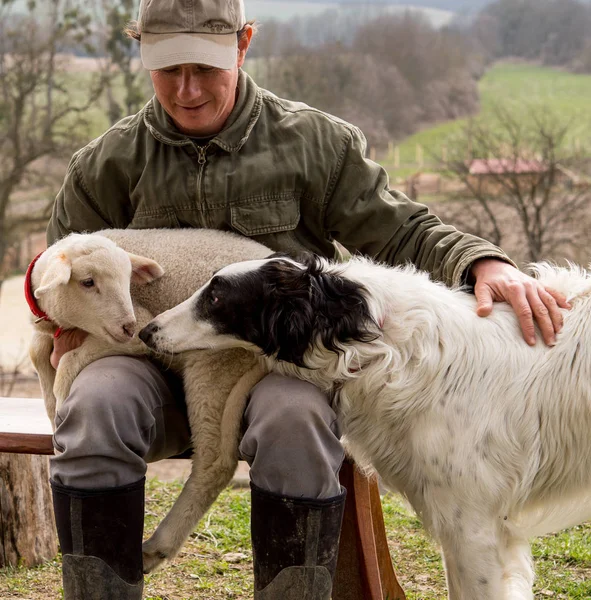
(500, 166)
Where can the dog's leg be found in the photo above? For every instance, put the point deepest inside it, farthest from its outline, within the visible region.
(472, 557)
(215, 415)
(518, 572)
(40, 352)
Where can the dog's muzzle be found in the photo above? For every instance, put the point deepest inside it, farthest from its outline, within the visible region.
(147, 334)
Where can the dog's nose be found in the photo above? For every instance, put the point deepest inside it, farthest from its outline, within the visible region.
(147, 333)
(129, 329)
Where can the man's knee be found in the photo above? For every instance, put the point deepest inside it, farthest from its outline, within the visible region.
(285, 405)
(292, 439)
(111, 391)
(121, 412)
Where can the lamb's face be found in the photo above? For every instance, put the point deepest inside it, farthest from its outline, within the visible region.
(89, 287)
(98, 295)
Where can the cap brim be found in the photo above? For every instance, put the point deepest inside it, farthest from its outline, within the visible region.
(161, 50)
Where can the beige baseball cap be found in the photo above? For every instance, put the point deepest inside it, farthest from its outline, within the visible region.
(175, 32)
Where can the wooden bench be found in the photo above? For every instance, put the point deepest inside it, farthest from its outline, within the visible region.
(364, 570)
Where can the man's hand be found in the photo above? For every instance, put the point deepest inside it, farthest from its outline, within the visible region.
(68, 340)
(497, 281)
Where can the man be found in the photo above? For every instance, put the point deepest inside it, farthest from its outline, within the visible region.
(211, 149)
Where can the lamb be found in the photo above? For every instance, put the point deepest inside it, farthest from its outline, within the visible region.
(164, 267)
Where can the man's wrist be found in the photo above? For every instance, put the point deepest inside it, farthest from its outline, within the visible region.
(471, 273)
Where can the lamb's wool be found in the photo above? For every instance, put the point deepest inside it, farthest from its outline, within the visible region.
(189, 258)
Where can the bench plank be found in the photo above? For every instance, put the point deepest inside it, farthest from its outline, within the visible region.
(24, 426)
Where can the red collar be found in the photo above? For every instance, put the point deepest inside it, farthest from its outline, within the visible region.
(32, 301)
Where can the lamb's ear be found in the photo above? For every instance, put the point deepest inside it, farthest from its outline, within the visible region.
(144, 270)
(57, 273)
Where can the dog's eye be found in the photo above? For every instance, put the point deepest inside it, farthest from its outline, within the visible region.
(88, 282)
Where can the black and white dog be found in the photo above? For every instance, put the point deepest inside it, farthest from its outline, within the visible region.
(488, 438)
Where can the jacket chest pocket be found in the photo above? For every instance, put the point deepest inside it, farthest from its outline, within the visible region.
(264, 217)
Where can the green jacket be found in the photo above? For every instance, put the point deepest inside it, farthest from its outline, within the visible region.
(280, 172)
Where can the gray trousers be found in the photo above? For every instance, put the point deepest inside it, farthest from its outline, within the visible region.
(123, 412)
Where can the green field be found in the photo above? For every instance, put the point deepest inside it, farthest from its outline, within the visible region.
(523, 89)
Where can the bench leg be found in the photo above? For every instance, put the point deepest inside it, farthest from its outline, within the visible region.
(364, 568)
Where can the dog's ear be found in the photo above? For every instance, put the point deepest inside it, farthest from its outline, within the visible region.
(304, 302)
(288, 319)
(144, 270)
(295, 333)
(57, 273)
(341, 309)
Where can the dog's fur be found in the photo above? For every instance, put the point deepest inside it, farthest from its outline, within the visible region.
(216, 383)
(487, 437)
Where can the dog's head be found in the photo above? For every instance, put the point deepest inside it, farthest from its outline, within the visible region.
(284, 307)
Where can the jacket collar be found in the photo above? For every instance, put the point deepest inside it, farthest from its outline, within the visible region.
(236, 131)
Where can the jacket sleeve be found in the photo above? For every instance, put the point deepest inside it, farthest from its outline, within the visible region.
(366, 217)
(75, 210)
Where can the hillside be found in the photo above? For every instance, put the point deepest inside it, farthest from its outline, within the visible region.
(523, 88)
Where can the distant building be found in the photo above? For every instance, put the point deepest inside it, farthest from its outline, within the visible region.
(490, 176)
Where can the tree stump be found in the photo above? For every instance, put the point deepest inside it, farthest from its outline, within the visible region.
(27, 527)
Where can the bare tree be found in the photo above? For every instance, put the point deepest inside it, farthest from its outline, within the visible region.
(9, 374)
(121, 58)
(553, 31)
(525, 178)
(434, 63)
(389, 75)
(42, 110)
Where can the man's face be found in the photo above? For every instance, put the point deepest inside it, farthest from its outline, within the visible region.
(199, 98)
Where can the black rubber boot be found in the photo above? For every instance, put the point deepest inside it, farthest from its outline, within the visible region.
(295, 543)
(100, 533)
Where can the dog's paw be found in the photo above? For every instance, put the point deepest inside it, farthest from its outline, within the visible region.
(152, 555)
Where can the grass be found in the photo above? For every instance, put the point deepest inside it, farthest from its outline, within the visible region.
(215, 563)
(522, 88)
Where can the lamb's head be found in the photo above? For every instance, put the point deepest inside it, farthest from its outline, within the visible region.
(83, 281)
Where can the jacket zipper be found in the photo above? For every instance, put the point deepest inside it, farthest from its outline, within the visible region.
(202, 151)
(201, 160)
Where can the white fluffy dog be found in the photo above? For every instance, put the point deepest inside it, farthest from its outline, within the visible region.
(487, 437)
